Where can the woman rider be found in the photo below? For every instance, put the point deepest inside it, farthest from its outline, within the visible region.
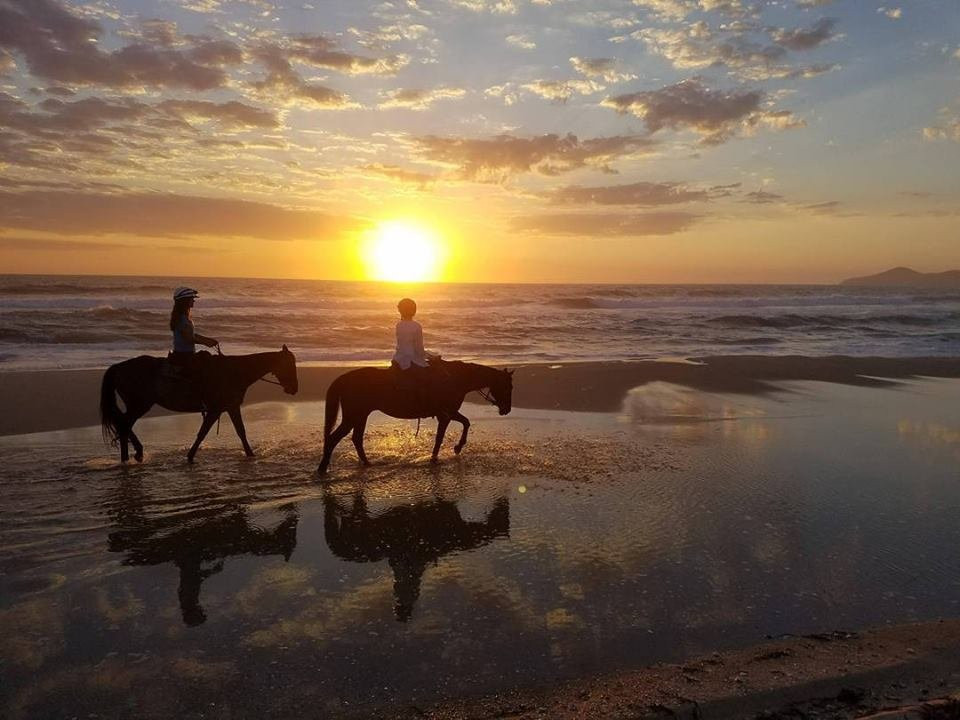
(184, 353)
(184, 336)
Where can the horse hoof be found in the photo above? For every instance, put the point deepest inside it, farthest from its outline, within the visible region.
(434, 460)
(321, 470)
(138, 457)
(457, 449)
(251, 454)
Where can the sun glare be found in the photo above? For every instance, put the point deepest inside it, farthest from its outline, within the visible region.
(402, 251)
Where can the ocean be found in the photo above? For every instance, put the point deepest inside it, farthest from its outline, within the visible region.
(50, 322)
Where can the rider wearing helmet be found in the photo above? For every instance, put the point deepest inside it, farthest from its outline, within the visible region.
(184, 336)
(409, 357)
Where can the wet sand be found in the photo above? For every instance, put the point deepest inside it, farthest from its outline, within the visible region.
(588, 564)
(56, 400)
(904, 672)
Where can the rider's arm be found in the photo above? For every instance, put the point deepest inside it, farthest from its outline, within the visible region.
(194, 337)
(418, 343)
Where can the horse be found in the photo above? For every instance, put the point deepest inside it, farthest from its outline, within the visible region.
(360, 392)
(225, 379)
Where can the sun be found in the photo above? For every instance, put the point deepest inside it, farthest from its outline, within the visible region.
(402, 251)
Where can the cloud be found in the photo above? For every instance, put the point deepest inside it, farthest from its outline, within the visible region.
(495, 159)
(400, 174)
(496, 7)
(806, 38)
(162, 215)
(521, 41)
(670, 9)
(714, 114)
(762, 197)
(319, 51)
(892, 13)
(948, 127)
(813, 3)
(824, 208)
(283, 83)
(231, 114)
(415, 99)
(647, 194)
(606, 225)
(602, 68)
(562, 90)
(60, 46)
(72, 246)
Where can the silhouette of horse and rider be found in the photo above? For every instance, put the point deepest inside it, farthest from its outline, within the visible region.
(417, 385)
(410, 537)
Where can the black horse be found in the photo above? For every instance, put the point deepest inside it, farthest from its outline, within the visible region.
(141, 384)
(445, 385)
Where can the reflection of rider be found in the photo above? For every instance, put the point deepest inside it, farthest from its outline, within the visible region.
(409, 537)
(409, 355)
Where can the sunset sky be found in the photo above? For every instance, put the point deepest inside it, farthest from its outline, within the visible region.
(531, 140)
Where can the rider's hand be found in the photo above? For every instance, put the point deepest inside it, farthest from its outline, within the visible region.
(212, 342)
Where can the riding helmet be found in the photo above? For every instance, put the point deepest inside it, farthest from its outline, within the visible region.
(185, 293)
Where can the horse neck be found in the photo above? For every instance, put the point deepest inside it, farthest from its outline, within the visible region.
(477, 377)
(251, 368)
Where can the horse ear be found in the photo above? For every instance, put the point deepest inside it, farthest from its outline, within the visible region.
(285, 349)
(510, 372)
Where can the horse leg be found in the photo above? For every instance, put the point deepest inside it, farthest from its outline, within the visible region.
(442, 422)
(331, 442)
(237, 420)
(133, 415)
(208, 420)
(358, 439)
(124, 442)
(461, 418)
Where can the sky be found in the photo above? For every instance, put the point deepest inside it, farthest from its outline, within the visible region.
(653, 141)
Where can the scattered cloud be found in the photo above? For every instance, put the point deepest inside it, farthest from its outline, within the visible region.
(415, 99)
(806, 38)
(714, 114)
(606, 225)
(162, 215)
(58, 45)
(522, 41)
(762, 197)
(600, 68)
(400, 174)
(824, 208)
(892, 13)
(495, 159)
(562, 90)
(646, 194)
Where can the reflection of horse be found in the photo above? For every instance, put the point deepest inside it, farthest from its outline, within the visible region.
(360, 392)
(198, 547)
(409, 537)
(141, 384)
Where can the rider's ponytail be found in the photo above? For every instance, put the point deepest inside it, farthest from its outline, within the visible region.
(179, 310)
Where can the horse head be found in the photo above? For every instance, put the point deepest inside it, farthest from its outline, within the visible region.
(286, 371)
(501, 389)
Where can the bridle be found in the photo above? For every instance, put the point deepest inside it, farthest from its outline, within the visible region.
(485, 394)
(259, 379)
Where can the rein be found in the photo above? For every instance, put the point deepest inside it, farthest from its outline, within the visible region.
(485, 394)
(272, 382)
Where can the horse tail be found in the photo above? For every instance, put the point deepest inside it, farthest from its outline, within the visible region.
(333, 407)
(110, 415)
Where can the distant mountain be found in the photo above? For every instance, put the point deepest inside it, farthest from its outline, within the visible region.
(905, 277)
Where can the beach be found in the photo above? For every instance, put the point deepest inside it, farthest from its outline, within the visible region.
(658, 515)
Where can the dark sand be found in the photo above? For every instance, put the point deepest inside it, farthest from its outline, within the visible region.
(903, 671)
(56, 400)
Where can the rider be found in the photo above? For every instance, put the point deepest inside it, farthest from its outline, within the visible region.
(184, 336)
(409, 357)
(184, 355)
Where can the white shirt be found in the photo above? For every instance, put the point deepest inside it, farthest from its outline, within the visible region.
(409, 345)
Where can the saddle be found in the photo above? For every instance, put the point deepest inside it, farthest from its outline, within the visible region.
(180, 383)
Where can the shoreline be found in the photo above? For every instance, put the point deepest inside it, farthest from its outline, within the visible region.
(47, 400)
(907, 671)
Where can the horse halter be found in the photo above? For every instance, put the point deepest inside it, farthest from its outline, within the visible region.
(485, 394)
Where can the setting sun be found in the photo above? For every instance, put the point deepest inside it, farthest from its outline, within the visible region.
(402, 251)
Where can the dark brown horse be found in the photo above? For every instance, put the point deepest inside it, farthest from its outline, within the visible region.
(224, 380)
(360, 392)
